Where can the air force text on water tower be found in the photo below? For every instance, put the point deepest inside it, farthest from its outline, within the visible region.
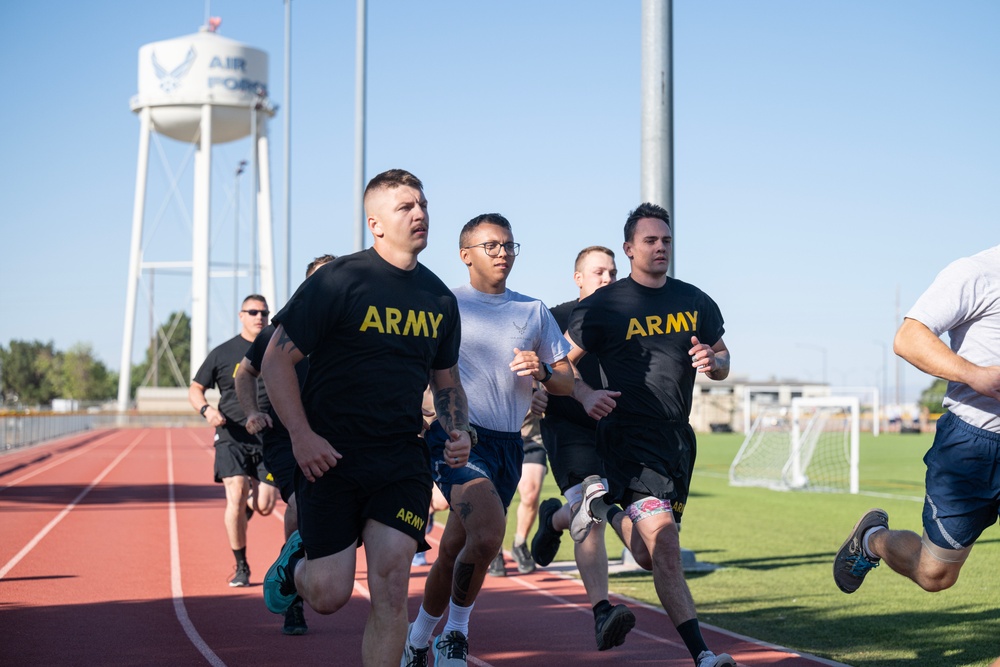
(176, 75)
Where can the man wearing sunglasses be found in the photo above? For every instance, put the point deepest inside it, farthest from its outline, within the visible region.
(239, 456)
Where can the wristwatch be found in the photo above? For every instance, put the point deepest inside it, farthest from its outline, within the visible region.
(473, 436)
(548, 372)
(204, 408)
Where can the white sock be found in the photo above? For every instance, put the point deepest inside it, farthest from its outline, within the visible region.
(458, 619)
(518, 540)
(423, 628)
(864, 542)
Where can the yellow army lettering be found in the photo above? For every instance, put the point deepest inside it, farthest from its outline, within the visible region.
(676, 322)
(414, 520)
(416, 322)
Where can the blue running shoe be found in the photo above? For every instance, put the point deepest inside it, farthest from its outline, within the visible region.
(852, 564)
(279, 583)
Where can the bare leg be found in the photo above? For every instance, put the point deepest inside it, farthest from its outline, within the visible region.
(530, 488)
(659, 534)
(389, 553)
(930, 567)
(592, 560)
(235, 517)
(291, 516)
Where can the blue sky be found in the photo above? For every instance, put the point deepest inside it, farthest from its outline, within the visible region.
(829, 156)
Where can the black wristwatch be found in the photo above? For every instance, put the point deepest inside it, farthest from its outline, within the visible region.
(204, 408)
(548, 372)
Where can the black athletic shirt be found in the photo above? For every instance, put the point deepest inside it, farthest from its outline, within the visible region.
(373, 333)
(219, 369)
(567, 407)
(641, 336)
(256, 356)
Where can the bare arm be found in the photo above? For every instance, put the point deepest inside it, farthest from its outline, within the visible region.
(712, 360)
(526, 362)
(919, 345)
(452, 409)
(598, 403)
(314, 454)
(246, 392)
(196, 396)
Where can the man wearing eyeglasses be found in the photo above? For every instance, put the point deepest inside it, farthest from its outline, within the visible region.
(239, 456)
(509, 341)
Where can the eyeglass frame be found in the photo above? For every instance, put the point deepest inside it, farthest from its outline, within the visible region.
(254, 312)
(510, 247)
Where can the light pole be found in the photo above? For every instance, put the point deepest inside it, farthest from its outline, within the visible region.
(236, 239)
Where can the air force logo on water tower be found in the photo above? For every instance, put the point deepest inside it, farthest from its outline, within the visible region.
(169, 81)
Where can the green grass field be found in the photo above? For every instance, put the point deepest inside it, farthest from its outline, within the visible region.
(776, 553)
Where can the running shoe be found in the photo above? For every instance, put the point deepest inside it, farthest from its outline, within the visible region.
(523, 559)
(709, 659)
(852, 564)
(612, 625)
(545, 544)
(241, 577)
(419, 559)
(451, 650)
(497, 568)
(413, 656)
(279, 583)
(583, 519)
(295, 619)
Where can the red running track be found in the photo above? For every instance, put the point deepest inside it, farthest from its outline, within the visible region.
(113, 552)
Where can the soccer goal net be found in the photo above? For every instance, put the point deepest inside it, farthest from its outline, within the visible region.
(810, 446)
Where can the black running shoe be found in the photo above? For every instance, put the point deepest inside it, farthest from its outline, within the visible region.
(241, 577)
(295, 619)
(612, 625)
(545, 544)
(497, 568)
(851, 564)
(523, 559)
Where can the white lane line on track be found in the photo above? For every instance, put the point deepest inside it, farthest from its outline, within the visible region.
(59, 461)
(66, 510)
(175, 570)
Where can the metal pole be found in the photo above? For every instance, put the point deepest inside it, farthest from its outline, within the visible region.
(657, 152)
(135, 259)
(253, 193)
(288, 151)
(359, 128)
(236, 242)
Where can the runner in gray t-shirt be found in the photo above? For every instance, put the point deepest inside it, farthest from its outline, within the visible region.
(963, 464)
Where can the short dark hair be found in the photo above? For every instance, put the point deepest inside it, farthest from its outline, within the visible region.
(484, 219)
(589, 249)
(644, 210)
(391, 179)
(255, 297)
(318, 262)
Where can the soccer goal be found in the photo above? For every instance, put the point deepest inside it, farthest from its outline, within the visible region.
(810, 446)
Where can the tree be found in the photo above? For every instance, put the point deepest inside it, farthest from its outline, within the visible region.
(28, 372)
(932, 397)
(168, 357)
(80, 375)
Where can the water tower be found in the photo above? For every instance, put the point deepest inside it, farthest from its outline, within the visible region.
(202, 89)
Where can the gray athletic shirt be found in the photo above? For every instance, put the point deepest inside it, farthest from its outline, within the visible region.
(492, 326)
(964, 300)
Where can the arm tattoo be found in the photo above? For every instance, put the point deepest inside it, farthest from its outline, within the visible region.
(284, 342)
(452, 408)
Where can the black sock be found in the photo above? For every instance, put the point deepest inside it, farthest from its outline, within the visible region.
(601, 607)
(690, 632)
(241, 556)
(613, 511)
(599, 507)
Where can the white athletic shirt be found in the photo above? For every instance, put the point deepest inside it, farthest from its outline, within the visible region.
(492, 326)
(964, 300)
